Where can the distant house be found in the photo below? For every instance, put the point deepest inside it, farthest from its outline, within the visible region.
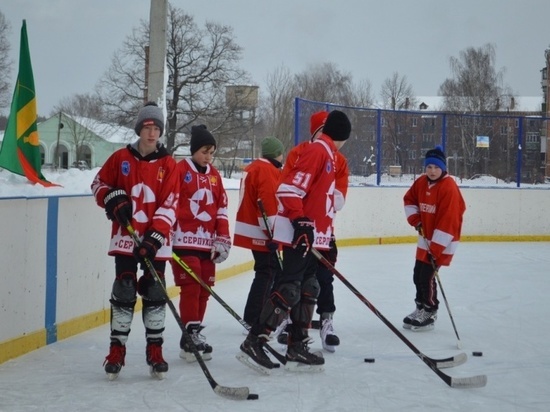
(68, 140)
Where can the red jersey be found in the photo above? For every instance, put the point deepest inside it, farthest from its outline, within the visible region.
(342, 172)
(439, 206)
(202, 210)
(153, 186)
(260, 180)
(307, 189)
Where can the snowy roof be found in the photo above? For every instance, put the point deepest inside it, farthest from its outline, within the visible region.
(110, 132)
(522, 103)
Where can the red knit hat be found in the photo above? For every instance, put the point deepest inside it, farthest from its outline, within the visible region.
(317, 121)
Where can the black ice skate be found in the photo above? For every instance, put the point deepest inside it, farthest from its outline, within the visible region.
(300, 359)
(153, 353)
(114, 361)
(407, 321)
(253, 355)
(424, 321)
(194, 330)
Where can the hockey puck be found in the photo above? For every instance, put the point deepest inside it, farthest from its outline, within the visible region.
(477, 353)
(253, 397)
(369, 360)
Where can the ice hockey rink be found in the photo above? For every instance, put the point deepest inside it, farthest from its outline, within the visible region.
(498, 294)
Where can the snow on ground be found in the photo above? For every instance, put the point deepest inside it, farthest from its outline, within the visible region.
(76, 182)
(498, 293)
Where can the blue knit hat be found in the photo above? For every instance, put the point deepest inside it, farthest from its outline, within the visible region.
(436, 157)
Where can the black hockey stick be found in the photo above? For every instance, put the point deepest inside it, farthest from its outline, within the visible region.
(281, 358)
(436, 274)
(241, 393)
(268, 229)
(478, 381)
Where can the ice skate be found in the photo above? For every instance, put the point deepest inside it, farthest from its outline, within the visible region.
(407, 321)
(300, 359)
(153, 352)
(205, 350)
(425, 321)
(114, 361)
(328, 336)
(253, 355)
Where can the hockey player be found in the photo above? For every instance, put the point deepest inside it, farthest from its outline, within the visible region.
(201, 237)
(434, 207)
(325, 301)
(138, 185)
(259, 182)
(302, 223)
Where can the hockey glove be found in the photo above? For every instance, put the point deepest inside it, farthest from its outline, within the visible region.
(418, 228)
(332, 254)
(118, 206)
(220, 249)
(303, 235)
(149, 246)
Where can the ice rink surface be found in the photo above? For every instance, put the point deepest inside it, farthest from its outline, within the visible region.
(499, 298)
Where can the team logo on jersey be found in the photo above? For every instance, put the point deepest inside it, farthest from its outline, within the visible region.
(160, 174)
(329, 166)
(125, 167)
(213, 180)
(187, 177)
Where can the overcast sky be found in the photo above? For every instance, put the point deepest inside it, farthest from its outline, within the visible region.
(72, 41)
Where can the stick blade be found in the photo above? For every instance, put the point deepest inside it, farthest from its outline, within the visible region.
(451, 362)
(478, 381)
(232, 393)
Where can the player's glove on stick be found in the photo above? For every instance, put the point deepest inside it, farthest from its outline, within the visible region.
(118, 206)
(303, 234)
(220, 249)
(332, 254)
(149, 246)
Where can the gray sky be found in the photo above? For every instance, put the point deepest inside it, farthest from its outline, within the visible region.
(72, 41)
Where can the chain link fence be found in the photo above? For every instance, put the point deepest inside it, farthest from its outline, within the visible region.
(388, 144)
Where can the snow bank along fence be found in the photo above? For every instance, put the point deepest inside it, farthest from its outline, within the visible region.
(57, 277)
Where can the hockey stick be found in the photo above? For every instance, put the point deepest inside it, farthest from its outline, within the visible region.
(241, 393)
(436, 273)
(281, 358)
(268, 229)
(469, 382)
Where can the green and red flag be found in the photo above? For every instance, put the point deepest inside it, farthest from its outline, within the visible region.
(20, 152)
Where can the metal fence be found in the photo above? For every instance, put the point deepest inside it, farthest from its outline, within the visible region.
(394, 142)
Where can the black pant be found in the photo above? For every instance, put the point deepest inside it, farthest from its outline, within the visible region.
(325, 301)
(267, 269)
(426, 288)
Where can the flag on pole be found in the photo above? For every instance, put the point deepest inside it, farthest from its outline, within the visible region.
(20, 151)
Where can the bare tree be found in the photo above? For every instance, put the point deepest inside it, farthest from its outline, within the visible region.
(475, 87)
(362, 95)
(397, 93)
(5, 62)
(277, 111)
(325, 83)
(200, 63)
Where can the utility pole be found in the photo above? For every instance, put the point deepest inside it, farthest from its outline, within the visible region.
(156, 60)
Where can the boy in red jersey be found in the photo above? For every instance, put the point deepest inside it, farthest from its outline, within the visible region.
(325, 302)
(201, 237)
(434, 207)
(259, 182)
(304, 220)
(138, 185)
